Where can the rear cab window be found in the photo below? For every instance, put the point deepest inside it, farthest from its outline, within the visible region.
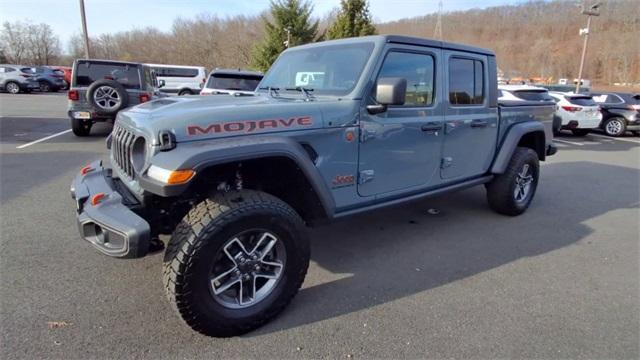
(233, 82)
(88, 72)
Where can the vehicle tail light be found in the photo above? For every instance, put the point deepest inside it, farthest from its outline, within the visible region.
(572, 108)
(634, 107)
(144, 97)
(85, 169)
(73, 95)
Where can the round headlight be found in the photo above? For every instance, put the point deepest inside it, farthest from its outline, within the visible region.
(139, 154)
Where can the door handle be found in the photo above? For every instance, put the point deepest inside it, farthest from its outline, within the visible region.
(479, 123)
(431, 127)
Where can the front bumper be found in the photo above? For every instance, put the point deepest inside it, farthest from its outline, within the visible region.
(110, 225)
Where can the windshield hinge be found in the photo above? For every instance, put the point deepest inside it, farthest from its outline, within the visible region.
(365, 176)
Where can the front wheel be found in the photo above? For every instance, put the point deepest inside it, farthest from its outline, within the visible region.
(185, 92)
(12, 87)
(511, 193)
(45, 86)
(615, 127)
(235, 261)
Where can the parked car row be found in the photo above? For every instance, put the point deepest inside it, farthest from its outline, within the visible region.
(613, 113)
(20, 78)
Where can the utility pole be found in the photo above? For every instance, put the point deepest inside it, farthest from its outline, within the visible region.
(437, 33)
(84, 30)
(593, 10)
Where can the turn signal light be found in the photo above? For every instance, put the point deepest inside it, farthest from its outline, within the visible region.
(73, 95)
(180, 176)
(97, 198)
(85, 169)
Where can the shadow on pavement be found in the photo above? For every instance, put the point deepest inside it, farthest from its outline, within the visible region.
(395, 253)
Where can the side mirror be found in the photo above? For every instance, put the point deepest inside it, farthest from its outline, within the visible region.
(389, 91)
(161, 84)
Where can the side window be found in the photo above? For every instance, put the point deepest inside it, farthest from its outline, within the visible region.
(418, 69)
(613, 99)
(466, 81)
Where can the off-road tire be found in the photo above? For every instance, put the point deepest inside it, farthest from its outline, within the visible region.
(81, 127)
(207, 227)
(119, 89)
(185, 92)
(500, 191)
(580, 132)
(623, 127)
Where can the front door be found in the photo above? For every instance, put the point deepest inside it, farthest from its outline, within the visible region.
(400, 148)
(471, 124)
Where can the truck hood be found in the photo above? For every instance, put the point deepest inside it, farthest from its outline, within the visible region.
(203, 117)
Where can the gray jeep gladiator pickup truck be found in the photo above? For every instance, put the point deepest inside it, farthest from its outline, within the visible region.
(335, 128)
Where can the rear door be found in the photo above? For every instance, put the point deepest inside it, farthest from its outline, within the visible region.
(400, 148)
(471, 124)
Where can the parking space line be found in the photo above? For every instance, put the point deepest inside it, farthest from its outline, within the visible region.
(43, 139)
(568, 142)
(615, 138)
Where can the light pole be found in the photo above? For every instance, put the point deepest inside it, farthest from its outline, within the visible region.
(593, 10)
(288, 42)
(84, 30)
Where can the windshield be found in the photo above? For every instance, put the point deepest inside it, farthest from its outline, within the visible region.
(328, 69)
(233, 82)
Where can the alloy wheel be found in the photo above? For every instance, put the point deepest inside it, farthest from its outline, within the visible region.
(523, 183)
(247, 269)
(614, 127)
(107, 97)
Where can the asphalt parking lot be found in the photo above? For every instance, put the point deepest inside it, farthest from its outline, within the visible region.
(561, 281)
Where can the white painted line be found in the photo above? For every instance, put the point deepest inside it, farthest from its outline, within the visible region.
(615, 138)
(568, 142)
(34, 117)
(43, 139)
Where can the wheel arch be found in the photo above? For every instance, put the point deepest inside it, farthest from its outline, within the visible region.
(529, 134)
(275, 165)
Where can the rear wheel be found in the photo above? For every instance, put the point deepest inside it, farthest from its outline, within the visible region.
(45, 86)
(185, 92)
(511, 193)
(81, 127)
(580, 132)
(615, 126)
(235, 261)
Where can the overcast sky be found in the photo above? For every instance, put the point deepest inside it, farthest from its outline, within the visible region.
(108, 16)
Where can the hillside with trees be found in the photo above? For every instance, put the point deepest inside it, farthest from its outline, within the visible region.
(534, 39)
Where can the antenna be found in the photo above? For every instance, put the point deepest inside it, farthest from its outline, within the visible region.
(437, 33)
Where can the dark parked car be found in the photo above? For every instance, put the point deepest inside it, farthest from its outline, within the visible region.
(49, 80)
(17, 78)
(101, 88)
(620, 112)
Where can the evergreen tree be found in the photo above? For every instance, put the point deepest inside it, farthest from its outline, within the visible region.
(353, 20)
(294, 15)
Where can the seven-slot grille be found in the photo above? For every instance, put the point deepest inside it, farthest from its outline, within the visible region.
(122, 143)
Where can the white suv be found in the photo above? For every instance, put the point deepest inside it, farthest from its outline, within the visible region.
(576, 112)
(181, 80)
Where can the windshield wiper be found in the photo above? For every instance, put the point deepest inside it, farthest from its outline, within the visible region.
(272, 90)
(305, 91)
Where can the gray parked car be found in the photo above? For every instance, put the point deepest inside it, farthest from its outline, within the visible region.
(336, 128)
(49, 80)
(17, 78)
(101, 88)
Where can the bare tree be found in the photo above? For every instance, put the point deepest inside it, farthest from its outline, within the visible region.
(29, 43)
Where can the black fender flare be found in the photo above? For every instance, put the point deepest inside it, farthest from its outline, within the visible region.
(510, 142)
(199, 155)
